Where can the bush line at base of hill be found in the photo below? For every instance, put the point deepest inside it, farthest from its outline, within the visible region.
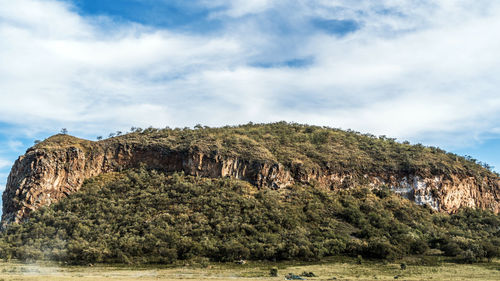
(144, 216)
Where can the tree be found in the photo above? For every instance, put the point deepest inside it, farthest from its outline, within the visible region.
(111, 135)
(37, 141)
(490, 251)
(99, 137)
(64, 131)
(273, 272)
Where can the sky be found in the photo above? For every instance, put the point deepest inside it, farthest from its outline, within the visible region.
(423, 71)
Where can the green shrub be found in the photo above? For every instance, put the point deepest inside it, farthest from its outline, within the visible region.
(145, 216)
(273, 272)
(418, 247)
(381, 249)
(451, 249)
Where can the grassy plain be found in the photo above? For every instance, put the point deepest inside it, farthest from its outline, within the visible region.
(329, 270)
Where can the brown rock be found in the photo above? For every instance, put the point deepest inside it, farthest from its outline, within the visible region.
(45, 174)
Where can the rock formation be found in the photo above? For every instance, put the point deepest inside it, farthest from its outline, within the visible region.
(45, 174)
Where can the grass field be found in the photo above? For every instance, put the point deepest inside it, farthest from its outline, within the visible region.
(329, 270)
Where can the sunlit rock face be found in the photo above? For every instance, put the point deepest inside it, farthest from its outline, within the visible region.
(449, 194)
(44, 175)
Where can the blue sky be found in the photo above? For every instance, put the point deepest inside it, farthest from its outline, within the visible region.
(423, 71)
(179, 15)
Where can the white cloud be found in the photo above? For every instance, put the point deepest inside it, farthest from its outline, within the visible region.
(4, 163)
(239, 8)
(14, 145)
(423, 70)
(45, 19)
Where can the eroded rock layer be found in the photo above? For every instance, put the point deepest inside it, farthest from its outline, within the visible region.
(45, 174)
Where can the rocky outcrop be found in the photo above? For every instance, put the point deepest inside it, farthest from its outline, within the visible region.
(448, 193)
(44, 175)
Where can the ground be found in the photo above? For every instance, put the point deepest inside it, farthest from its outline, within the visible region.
(330, 270)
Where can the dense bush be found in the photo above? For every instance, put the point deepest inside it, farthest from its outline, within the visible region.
(142, 216)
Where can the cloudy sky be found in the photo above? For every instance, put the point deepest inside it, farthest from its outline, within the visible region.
(423, 71)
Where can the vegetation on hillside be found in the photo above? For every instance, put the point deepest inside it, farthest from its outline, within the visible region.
(300, 148)
(145, 216)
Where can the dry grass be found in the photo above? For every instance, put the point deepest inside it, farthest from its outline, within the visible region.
(253, 271)
(61, 141)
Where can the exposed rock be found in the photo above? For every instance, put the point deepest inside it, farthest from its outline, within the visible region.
(44, 175)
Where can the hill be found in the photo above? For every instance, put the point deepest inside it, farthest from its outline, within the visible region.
(266, 155)
(267, 191)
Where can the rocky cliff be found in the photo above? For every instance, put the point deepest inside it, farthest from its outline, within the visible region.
(45, 175)
(59, 166)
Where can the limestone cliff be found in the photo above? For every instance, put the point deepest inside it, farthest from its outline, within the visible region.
(59, 166)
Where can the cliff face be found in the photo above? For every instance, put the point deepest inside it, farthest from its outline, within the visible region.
(44, 175)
